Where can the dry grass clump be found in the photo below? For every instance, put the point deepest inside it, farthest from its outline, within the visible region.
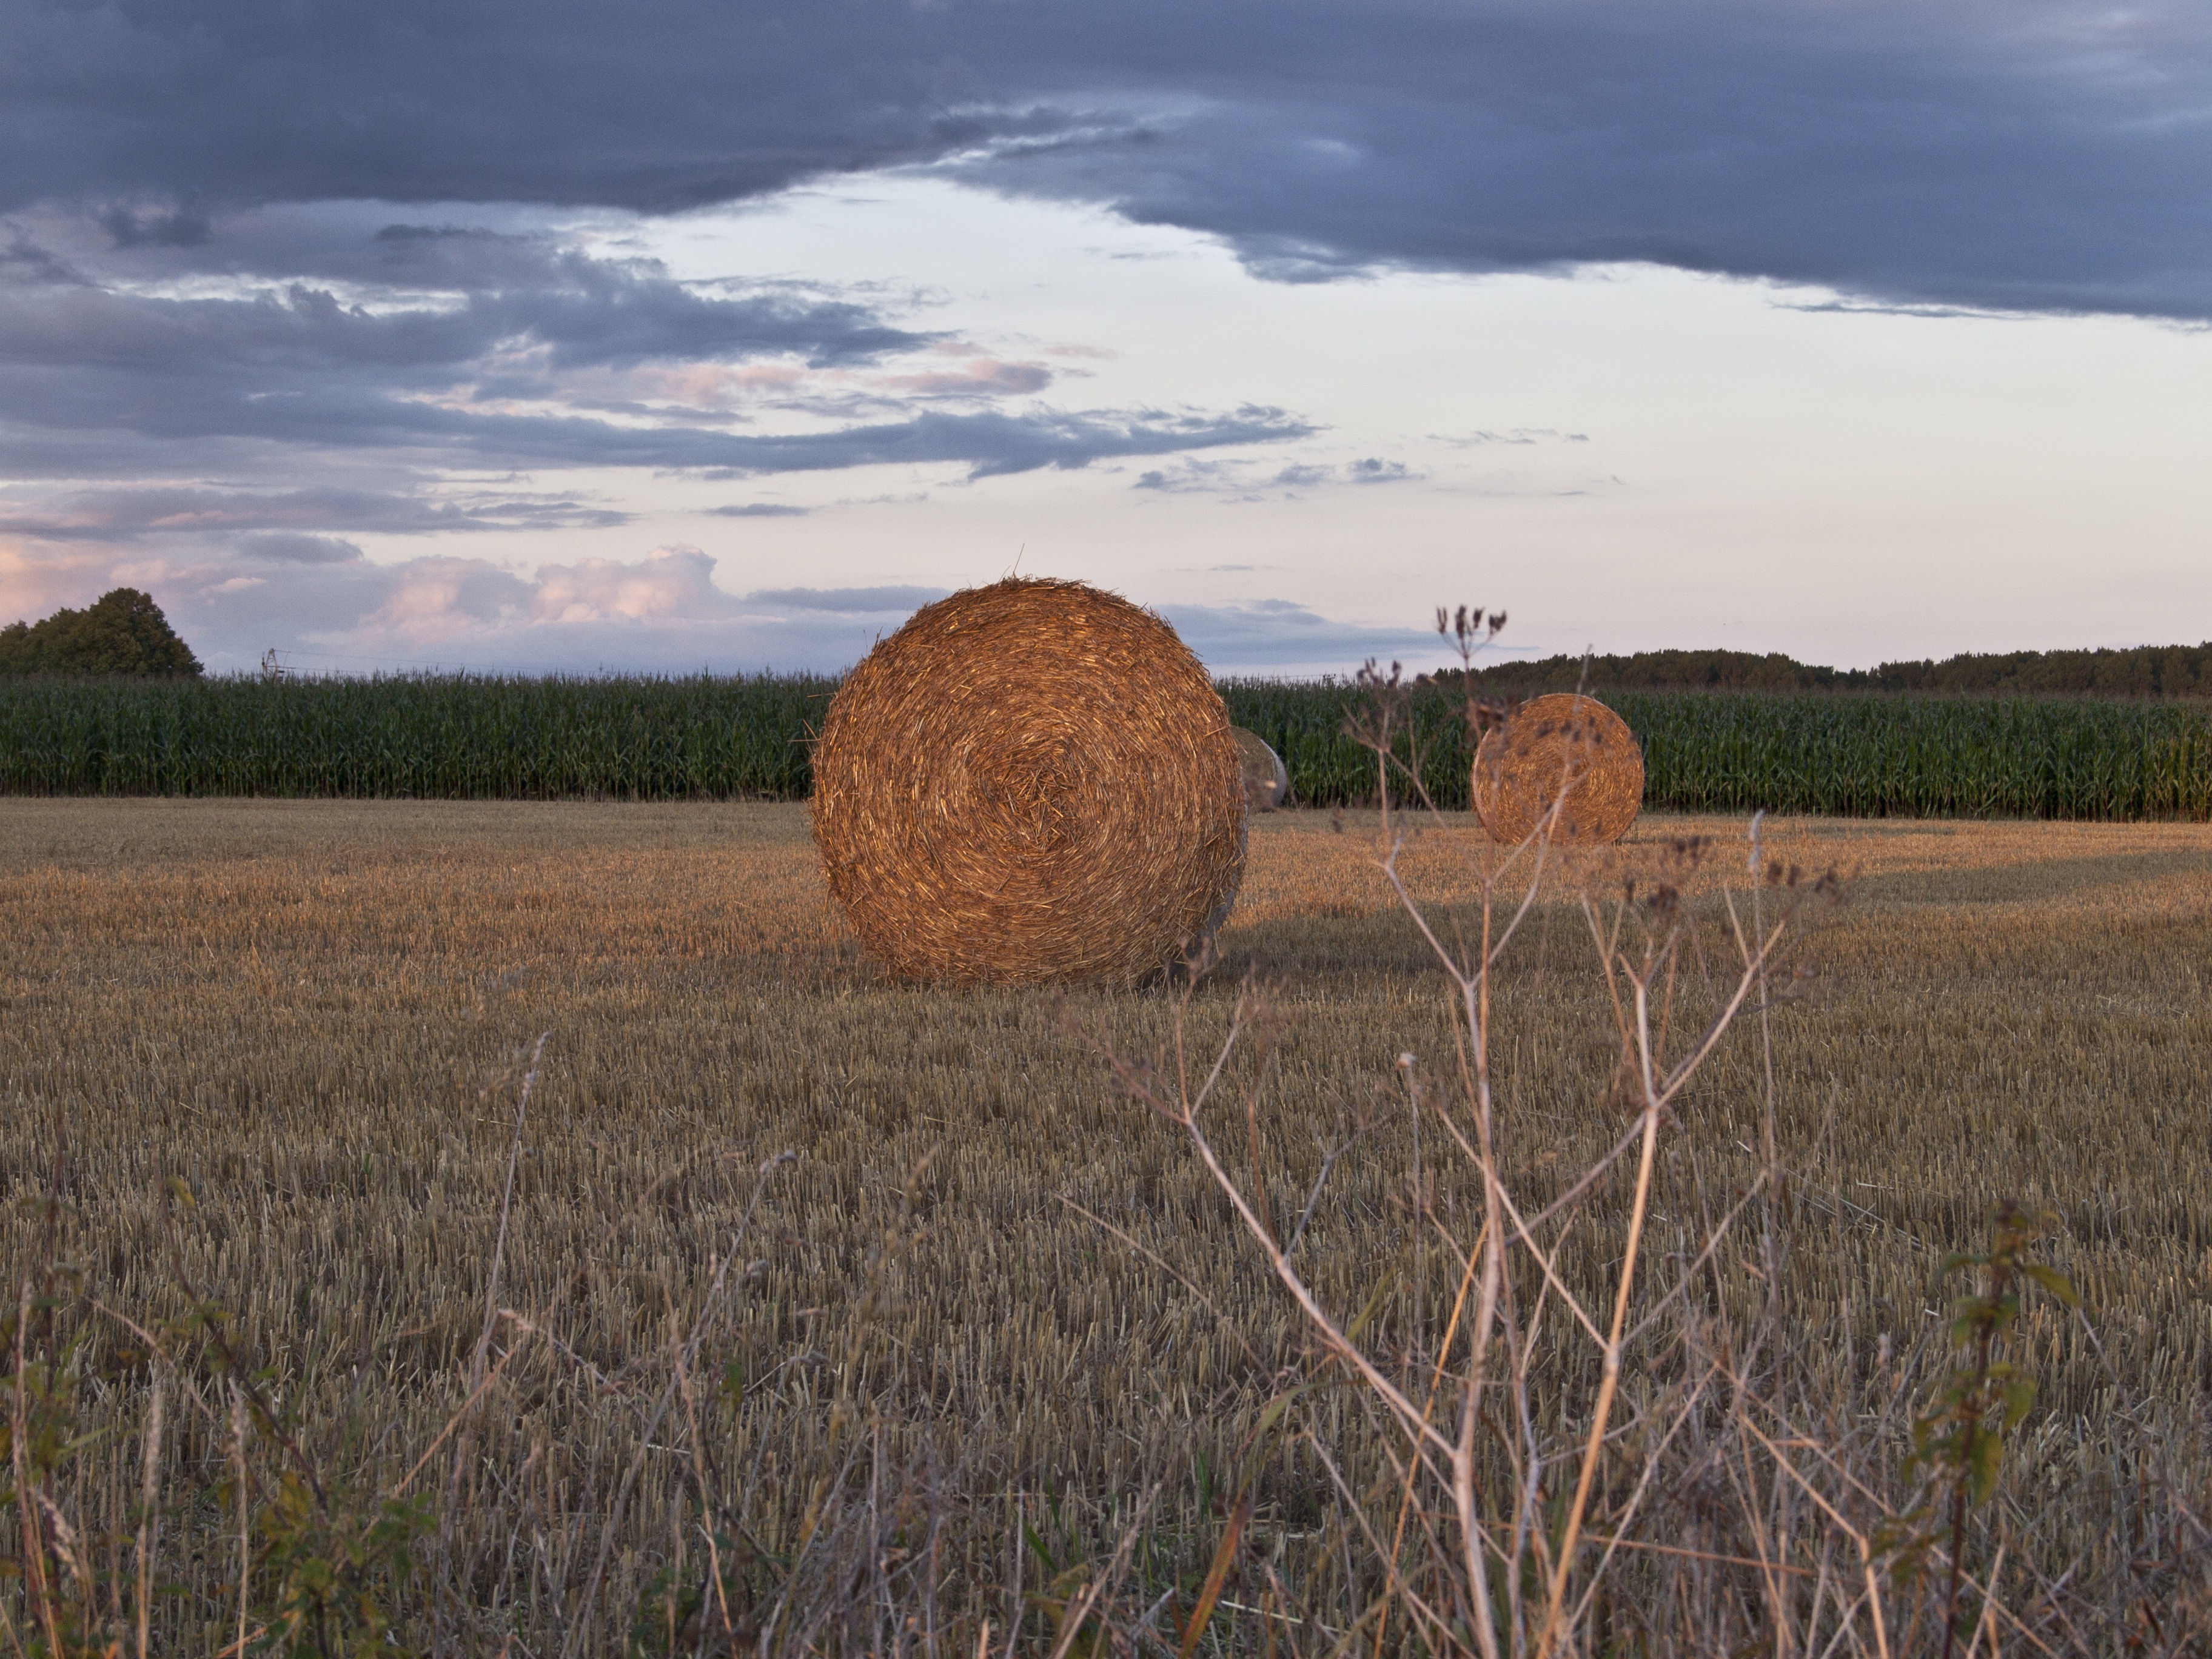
(1559, 743)
(1029, 783)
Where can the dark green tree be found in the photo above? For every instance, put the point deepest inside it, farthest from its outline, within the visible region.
(122, 633)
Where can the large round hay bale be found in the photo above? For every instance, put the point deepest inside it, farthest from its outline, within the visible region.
(1029, 781)
(1266, 781)
(1560, 742)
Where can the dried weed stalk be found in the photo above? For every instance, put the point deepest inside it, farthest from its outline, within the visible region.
(1590, 1451)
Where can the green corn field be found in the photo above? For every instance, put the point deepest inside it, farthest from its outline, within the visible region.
(418, 737)
(1859, 755)
(703, 738)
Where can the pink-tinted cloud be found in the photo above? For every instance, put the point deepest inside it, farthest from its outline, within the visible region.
(676, 582)
(35, 581)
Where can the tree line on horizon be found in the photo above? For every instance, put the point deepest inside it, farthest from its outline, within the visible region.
(2170, 671)
(124, 635)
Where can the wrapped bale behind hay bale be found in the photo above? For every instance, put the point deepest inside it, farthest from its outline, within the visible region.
(1559, 741)
(1029, 781)
(1266, 782)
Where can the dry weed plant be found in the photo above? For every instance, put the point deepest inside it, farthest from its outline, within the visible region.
(1585, 1458)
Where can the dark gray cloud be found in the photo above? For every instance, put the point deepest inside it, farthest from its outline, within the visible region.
(1369, 469)
(1244, 480)
(759, 510)
(659, 107)
(122, 514)
(316, 341)
(420, 319)
(183, 227)
(2036, 154)
(992, 444)
(274, 277)
(283, 548)
(298, 364)
(223, 419)
(438, 347)
(1372, 469)
(1192, 476)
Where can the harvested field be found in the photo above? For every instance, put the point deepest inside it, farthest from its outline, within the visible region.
(312, 1011)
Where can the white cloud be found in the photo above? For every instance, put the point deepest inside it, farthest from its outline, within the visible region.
(668, 582)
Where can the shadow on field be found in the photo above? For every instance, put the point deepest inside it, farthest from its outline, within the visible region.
(2043, 881)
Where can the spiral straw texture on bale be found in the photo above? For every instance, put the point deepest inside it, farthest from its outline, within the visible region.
(1560, 741)
(1029, 781)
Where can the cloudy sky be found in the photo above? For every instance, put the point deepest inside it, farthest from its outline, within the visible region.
(678, 333)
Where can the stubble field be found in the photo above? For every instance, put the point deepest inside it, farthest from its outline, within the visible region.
(315, 1015)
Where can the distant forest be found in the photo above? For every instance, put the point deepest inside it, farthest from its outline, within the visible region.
(2166, 671)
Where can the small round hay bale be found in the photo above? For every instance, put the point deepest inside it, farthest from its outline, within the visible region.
(1029, 781)
(1562, 741)
(1266, 782)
